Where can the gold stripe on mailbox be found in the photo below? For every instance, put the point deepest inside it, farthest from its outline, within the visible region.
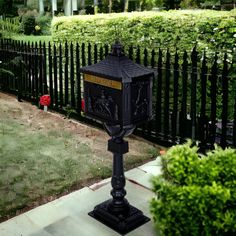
(101, 81)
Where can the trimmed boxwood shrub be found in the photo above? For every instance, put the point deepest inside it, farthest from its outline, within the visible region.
(212, 30)
(196, 195)
(28, 23)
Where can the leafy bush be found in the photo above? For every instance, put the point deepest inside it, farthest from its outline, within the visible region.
(44, 22)
(28, 23)
(196, 195)
(9, 26)
(212, 30)
(188, 4)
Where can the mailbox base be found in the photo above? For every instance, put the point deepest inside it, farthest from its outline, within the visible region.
(122, 224)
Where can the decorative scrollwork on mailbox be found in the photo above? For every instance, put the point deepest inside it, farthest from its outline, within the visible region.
(103, 105)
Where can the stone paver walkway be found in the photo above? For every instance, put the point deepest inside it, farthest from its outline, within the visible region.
(68, 215)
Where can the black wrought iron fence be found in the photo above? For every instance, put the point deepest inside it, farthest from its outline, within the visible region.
(194, 95)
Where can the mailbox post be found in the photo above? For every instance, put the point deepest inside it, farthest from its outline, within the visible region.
(118, 92)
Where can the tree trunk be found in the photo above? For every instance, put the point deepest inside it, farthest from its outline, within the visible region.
(54, 6)
(67, 7)
(83, 4)
(110, 6)
(74, 6)
(95, 3)
(41, 7)
(126, 5)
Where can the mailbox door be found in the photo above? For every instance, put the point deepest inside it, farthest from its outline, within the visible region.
(141, 101)
(102, 102)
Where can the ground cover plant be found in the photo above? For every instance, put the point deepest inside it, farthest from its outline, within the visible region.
(196, 195)
(206, 29)
(32, 38)
(44, 155)
(9, 26)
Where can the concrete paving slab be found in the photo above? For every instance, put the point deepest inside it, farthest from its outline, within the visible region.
(140, 177)
(64, 227)
(156, 162)
(145, 230)
(100, 184)
(75, 194)
(18, 226)
(82, 204)
(86, 226)
(90, 226)
(46, 214)
(139, 197)
(151, 170)
(40, 233)
(152, 167)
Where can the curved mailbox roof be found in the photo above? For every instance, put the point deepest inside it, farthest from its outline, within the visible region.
(118, 67)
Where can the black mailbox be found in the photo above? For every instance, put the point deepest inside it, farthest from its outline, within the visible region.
(118, 91)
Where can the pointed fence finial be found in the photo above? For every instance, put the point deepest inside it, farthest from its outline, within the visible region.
(117, 49)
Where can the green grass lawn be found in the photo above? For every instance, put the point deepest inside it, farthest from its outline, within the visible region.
(32, 38)
(33, 165)
(37, 164)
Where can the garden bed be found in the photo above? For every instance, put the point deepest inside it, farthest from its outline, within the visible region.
(43, 155)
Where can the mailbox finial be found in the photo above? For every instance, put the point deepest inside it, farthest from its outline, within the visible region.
(117, 49)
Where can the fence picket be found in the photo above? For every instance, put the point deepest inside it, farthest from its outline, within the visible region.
(176, 94)
(95, 54)
(72, 75)
(33, 68)
(66, 74)
(89, 54)
(183, 111)
(153, 58)
(167, 95)
(83, 54)
(50, 74)
(55, 67)
(24, 78)
(36, 71)
(137, 59)
(213, 94)
(45, 86)
(203, 120)
(131, 52)
(106, 50)
(234, 123)
(145, 59)
(151, 124)
(224, 114)
(60, 77)
(40, 68)
(146, 126)
(78, 80)
(158, 117)
(101, 53)
(193, 112)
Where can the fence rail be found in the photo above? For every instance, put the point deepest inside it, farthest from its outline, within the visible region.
(194, 95)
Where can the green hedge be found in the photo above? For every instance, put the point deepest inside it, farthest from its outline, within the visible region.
(214, 30)
(196, 195)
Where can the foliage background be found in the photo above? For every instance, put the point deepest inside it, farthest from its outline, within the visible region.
(206, 29)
